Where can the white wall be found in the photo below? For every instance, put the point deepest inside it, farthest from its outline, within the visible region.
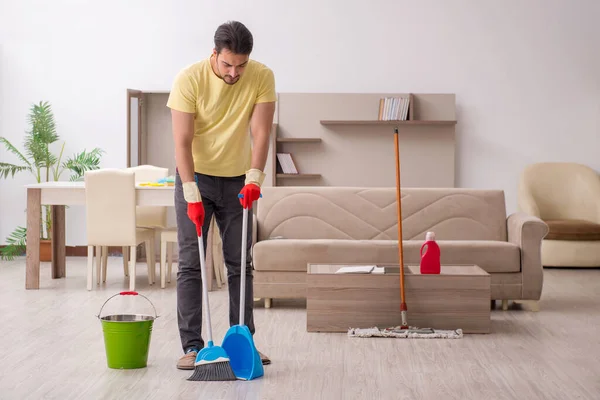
(526, 73)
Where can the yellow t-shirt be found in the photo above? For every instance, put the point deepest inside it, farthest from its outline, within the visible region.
(221, 145)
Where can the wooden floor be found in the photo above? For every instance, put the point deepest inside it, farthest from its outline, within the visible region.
(52, 348)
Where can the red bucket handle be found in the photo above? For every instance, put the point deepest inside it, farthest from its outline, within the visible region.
(128, 293)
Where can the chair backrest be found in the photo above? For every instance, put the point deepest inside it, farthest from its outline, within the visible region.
(560, 190)
(110, 207)
(150, 216)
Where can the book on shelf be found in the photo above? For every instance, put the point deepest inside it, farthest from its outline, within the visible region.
(287, 163)
(393, 108)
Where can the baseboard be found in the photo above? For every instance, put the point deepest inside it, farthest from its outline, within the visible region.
(114, 251)
(82, 251)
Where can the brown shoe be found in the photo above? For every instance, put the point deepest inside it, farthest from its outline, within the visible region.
(187, 360)
(265, 360)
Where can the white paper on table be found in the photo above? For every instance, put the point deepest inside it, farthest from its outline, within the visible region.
(356, 269)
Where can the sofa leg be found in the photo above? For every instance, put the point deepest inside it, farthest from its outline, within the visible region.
(267, 303)
(504, 305)
(531, 305)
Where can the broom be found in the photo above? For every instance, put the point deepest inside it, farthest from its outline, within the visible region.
(212, 362)
(403, 330)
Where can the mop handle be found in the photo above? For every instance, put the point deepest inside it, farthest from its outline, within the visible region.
(399, 211)
(205, 305)
(403, 308)
(243, 266)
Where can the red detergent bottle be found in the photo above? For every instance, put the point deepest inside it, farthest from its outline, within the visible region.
(430, 260)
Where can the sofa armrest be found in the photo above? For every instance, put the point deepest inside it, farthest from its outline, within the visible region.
(527, 232)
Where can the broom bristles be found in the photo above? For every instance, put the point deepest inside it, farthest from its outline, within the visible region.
(213, 371)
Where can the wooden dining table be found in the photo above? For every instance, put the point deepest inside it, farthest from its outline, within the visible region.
(60, 194)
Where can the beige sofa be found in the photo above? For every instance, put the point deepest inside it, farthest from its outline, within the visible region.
(298, 225)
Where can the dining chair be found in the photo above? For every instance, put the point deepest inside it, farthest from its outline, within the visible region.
(112, 221)
(168, 239)
(214, 254)
(149, 217)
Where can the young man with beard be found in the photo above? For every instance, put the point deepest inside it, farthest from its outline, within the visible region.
(214, 103)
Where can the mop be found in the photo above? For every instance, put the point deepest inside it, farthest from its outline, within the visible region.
(403, 330)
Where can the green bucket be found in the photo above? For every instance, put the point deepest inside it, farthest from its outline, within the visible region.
(127, 337)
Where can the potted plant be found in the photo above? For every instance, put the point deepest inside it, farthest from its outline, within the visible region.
(39, 160)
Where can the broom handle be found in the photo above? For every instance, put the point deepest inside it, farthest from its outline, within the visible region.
(206, 306)
(243, 266)
(403, 308)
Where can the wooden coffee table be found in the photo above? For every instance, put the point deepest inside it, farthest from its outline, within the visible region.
(459, 297)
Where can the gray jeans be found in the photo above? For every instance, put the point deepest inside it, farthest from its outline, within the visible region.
(220, 198)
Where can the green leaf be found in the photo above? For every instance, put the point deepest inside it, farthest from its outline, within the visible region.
(10, 147)
(58, 171)
(42, 122)
(42, 134)
(79, 163)
(7, 169)
(16, 244)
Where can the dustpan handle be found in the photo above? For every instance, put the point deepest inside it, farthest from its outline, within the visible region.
(128, 293)
(243, 268)
(243, 265)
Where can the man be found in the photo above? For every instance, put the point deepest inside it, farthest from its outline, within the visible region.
(213, 104)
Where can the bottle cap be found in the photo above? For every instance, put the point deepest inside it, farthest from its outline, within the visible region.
(430, 236)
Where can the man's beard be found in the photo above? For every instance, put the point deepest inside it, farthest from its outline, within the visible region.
(230, 82)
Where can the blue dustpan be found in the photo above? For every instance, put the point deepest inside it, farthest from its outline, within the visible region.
(238, 342)
(243, 356)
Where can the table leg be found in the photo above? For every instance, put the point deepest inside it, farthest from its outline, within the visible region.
(32, 268)
(59, 255)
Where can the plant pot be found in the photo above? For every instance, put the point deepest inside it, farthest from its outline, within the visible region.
(45, 250)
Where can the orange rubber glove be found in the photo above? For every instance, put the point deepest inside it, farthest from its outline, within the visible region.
(251, 191)
(249, 194)
(195, 209)
(195, 212)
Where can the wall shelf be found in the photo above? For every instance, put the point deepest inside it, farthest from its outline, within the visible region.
(315, 125)
(298, 140)
(378, 122)
(298, 176)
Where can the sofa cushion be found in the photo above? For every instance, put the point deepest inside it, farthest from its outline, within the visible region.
(328, 212)
(295, 254)
(572, 229)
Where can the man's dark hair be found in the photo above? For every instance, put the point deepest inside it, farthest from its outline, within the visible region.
(233, 36)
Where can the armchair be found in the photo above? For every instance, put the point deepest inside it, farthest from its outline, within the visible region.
(566, 196)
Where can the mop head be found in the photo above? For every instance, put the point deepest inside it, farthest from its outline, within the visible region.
(410, 333)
